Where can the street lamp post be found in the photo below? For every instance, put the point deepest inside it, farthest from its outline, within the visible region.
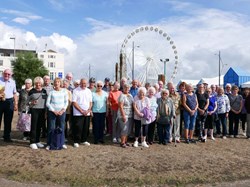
(219, 68)
(165, 61)
(14, 38)
(133, 61)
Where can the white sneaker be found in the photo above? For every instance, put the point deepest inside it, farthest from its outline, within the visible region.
(224, 137)
(25, 138)
(64, 146)
(114, 140)
(212, 138)
(39, 145)
(33, 146)
(136, 144)
(47, 148)
(144, 144)
(76, 145)
(231, 136)
(86, 143)
(119, 140)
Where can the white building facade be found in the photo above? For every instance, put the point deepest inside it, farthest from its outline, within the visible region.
(52, 60)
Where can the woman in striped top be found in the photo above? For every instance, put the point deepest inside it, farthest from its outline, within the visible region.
(57, 103)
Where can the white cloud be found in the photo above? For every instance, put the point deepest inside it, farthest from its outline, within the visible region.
(23, 21)
(23, 18)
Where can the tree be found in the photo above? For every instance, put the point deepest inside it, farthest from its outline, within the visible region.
(27, 65)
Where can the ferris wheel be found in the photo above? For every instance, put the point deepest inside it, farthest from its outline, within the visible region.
(147, 52)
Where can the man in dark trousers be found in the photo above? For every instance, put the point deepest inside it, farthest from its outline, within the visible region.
(8, 102)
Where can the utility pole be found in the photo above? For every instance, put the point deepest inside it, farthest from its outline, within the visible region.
(89, 71)
(219, 67)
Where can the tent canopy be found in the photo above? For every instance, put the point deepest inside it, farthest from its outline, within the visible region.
(246, 85)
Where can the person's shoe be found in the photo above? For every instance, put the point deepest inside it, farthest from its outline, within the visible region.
(178, 141)
(127, 144)
(25, 138)
(102, 142)
(187, 141)
(76, 145)
(64, 146)
(236, 136)
(33, 146)
(212, 138)
(144, 144)
(150, 143)
(164, 143)
(47, 148)
(192, 141)
(39, 145)
(123, 145)
(119, 140)
(135, 144)
(224, 137)
(114, 140)
(86, 143)
(8, 140)
(231, 136)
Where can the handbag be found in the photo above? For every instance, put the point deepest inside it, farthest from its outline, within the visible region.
(56, 136)
(24, 122)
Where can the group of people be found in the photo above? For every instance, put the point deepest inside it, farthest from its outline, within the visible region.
(125, 111)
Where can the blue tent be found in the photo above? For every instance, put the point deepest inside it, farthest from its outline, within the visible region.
(236, 76)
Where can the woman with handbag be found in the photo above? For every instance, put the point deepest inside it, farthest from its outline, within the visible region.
(37, 100)
(23, 109)
(141, 124)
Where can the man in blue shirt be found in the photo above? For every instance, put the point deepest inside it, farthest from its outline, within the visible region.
(134, 88)
(9, 104)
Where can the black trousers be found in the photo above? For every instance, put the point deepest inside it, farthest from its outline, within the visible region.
(6, 110)
(81, 128)
(37, 121)
(151, 131)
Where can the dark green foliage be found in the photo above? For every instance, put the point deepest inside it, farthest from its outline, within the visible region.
(27, 65)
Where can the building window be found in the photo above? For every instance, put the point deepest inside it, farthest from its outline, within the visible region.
(12, 63)
(41, 56)
(1, 62)
(60, 74)
(51, 56)
(51, 75)
(52, 64)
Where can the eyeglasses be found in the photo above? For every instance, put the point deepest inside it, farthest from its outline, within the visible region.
(99, 86)
(7, 74)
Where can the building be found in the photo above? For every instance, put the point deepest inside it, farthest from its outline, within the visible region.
(236, 76)
(52, 60)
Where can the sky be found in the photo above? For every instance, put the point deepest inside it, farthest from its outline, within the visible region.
(91, 33)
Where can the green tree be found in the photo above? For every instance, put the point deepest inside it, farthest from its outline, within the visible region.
(27, 65)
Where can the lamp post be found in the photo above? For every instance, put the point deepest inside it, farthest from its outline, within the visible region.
(14, 38)
(165, 61)
(133, 61)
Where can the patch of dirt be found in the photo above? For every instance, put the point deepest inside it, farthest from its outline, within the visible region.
(201, 164)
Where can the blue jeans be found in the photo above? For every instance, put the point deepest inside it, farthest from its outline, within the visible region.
(222, 121)
(189, 121)
(163, 132)
(54, 121)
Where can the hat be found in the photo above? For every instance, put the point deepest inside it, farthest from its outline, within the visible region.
(107, 79)
(92, 80)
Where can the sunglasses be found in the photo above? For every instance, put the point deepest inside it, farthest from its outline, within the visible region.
(99, 86)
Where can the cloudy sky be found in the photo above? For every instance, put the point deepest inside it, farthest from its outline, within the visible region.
(93, 31)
